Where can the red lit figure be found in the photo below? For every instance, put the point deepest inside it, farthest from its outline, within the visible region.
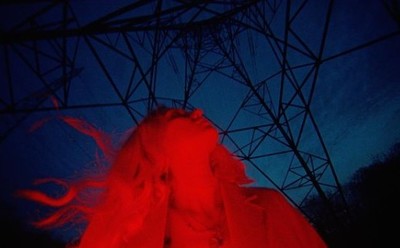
(171, 185)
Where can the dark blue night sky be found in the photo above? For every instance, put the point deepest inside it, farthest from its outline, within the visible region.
(355, 102)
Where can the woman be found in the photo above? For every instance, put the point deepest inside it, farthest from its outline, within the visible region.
(172, 185)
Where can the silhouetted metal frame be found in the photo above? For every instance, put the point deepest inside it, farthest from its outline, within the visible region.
(195, 38)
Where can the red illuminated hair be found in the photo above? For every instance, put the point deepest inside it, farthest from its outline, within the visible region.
(131, 184)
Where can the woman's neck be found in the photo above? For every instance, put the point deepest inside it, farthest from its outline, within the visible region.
(194, 186)
(197, 209)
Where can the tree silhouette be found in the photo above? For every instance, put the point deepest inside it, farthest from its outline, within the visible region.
(375, 189)
(374, 208)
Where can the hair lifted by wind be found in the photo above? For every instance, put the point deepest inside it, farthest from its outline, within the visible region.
(121, 195)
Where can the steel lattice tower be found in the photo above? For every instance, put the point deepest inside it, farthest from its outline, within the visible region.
(258, 47)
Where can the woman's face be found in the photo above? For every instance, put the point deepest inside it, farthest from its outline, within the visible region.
(189, 133)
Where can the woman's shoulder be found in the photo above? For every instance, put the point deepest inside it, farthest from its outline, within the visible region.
(259, 192)
(267, 198)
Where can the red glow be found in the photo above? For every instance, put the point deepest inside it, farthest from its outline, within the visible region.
(172, 185)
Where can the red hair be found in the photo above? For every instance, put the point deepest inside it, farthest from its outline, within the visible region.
(132, 183)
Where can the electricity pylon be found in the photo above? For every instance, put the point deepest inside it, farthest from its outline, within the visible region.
(120, 53)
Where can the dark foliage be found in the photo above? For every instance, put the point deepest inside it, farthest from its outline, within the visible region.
(374, 210)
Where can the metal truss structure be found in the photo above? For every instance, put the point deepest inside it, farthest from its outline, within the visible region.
(123, 55)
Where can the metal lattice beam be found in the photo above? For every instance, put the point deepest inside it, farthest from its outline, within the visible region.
(196, 40)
